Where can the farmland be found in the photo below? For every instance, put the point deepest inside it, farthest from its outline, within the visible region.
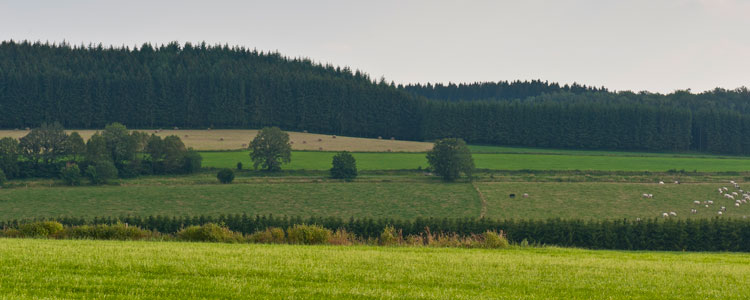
(390, 196)
(139, 270)
(314, 160)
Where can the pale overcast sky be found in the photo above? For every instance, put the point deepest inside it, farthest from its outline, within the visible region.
(655, 45)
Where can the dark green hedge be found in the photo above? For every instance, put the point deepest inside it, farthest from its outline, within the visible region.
(718, 234)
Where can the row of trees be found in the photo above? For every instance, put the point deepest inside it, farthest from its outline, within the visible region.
(718, 234)
(200, 86)
(48, 151)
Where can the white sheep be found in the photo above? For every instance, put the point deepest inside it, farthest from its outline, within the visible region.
(735, 194)
(665, 215)
(696, 202)
(645, 195)
(671, 213)
(525, 195)
(724, 188)
(729, 196)
(737, 204)
(676, 182)
(732, 182)
(723, 208)
(693, 211)
(721, 213)
(661, 182)
(650, 196)
(706, 205)
(710, 202)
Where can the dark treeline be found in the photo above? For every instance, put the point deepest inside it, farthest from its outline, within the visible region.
(501, 90)
(200, 86)
(716, 234)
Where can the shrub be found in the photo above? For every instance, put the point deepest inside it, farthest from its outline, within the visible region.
(71, 175)
(344, 166)
(193, 161)
(239, 166)
(101, 173)
(389, 236)
(494, 240)
(308, 234)
(225, 176)
(271, 235)
(40, 229)
(117, 231)
(208, 232)
(342, 237)
(3, 179)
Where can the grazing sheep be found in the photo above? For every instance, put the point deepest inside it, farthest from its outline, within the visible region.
(650, 196)
(637, 219)
(724, 188)
(723, 208)
(721, 191)
(665, 215)
(737, 204)
(706, 205)
(645, 195)
(661, 182)
(744, 200)
(710, 202)
(735, 194)
(732, 182)
(729, 196)
(671, 213)
(676, 182)
(693, 211)
(721, 213)
(696, 202)
(525, 195)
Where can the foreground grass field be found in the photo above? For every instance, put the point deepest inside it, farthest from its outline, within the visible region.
(57, 269)
(315, 160)
(406, 198)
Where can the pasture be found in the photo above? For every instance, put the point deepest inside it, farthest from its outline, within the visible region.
(392, 197)
(34, 269)
(315, 160)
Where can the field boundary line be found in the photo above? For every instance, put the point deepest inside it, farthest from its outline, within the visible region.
(483, 211)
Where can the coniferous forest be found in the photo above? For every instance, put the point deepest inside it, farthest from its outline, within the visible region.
(202, 86)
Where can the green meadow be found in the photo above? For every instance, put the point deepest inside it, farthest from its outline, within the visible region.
(311, 160)
(84, 269)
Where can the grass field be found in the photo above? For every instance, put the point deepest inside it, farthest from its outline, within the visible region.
(232, 139)
(67, 269)
(384, 199)
(315, 160)
(407, 198)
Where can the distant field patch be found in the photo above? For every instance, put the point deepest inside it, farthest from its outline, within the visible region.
(233, 139)
(313, 160)
(368, 199)
(603, 200)
(36, 269)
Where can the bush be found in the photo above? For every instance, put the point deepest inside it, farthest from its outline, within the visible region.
(193, 161)
(389, 236)
(101, 173)
(271, 235)
(40, 229)
(344, 166)
(209, 232)
(3, 179)
(239, 166)
(494, 240)
(117, 231)
(342, 237)
(71, 175)
(308, 234)
(225, 176)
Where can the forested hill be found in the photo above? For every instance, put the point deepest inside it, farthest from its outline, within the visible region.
(200, 86)
(501, 90)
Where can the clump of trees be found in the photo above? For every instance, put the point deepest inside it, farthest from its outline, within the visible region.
(450, 158)
(225, 176)
(344, 166)
(270, 148)
(48, 152)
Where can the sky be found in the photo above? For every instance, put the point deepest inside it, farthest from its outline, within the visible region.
(654, 45)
